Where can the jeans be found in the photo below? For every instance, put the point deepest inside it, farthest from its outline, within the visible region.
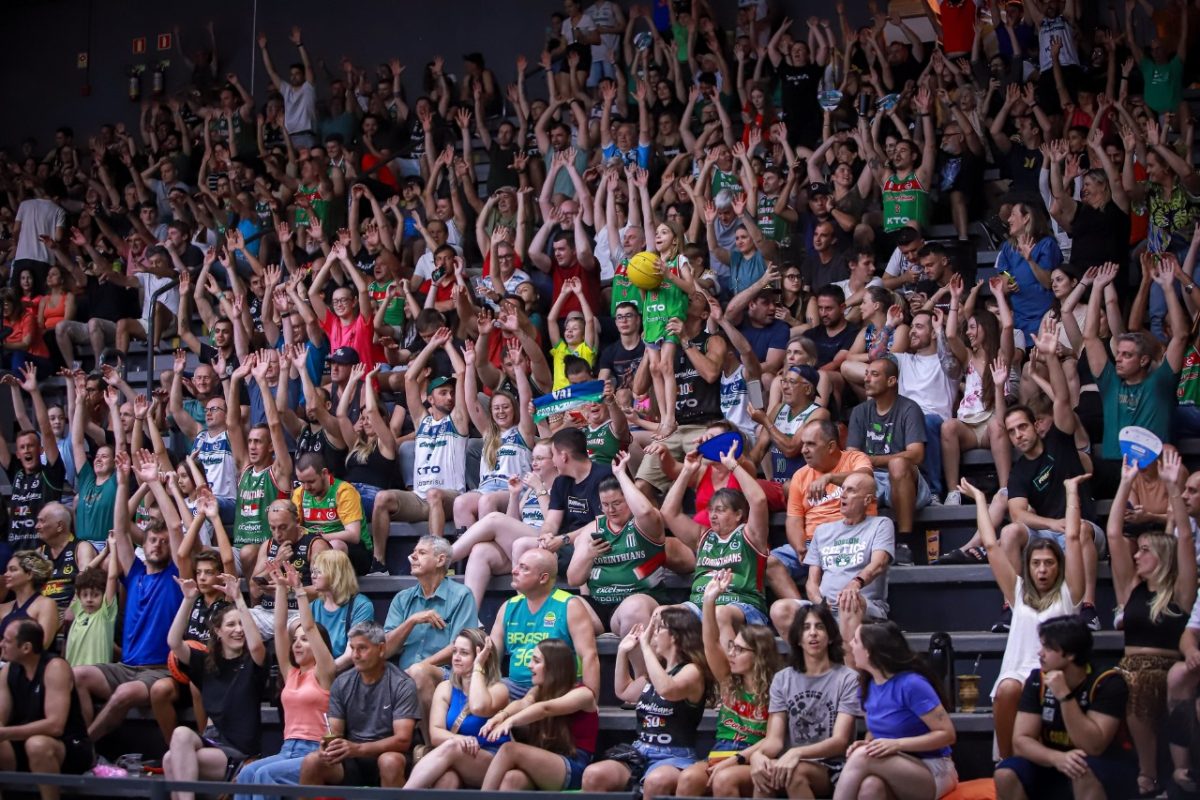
(1187, 422)
(932, 468)
(281, 769)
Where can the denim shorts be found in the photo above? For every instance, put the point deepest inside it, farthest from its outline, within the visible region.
(367, 492)
(1061, 538)
(753, 615)
(575, 766)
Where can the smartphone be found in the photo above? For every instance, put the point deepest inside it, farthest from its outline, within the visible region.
(755, 393)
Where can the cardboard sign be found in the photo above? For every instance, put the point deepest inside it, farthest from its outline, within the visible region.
(164, 41)
(139, 45)
(1139, 446)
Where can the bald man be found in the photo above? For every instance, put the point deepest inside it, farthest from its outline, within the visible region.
(848, 561)
(70, 556)
(540, 611)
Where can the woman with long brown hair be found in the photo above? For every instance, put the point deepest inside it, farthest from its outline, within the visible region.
(558, 723)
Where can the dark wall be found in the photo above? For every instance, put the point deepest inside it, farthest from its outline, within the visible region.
(40, 39)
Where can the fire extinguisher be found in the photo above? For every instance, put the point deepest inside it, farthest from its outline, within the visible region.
(135, 82)
(158, 78)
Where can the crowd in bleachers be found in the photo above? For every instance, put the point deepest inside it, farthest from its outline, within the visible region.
(600, 330)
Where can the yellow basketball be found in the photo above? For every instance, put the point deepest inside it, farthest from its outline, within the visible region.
(643, 271)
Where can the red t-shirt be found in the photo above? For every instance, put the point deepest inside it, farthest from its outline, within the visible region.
(24, 327)
(590, 278)
(359, 334)
(958, 26)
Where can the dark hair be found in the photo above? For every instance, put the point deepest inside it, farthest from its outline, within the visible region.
(827, 427)
(574, 365)
(310, 461)
(558, 673)
(92, 578)
(890, 368)
(629, 306)
(209, 555)
(572, 441)
(857, 253)
(888, 651)
(215, 650)
(609, 484)
(732, 498)
(933, 249)
(835, 292)
(29, 631)
(688, 635)
(1068, 635)
(430, 319)
(1021, 409)
(796, 631)
(907, 236)
(323, 632)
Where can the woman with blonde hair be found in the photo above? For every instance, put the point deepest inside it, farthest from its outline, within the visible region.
(338, 605)
(460, 754)
(1155, 586)
(1027, 259)
(26, 574)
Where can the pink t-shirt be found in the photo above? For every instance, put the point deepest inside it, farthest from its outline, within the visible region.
(305, 703)
(359, 334)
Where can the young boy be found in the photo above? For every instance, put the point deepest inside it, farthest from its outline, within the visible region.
(94, 608)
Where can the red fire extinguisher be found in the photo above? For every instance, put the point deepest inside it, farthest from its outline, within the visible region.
(135, 82)
(158, 78)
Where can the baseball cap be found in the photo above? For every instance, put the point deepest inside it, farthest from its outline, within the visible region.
(345, 355)
(818, 188)
(807, 372)
(440, 381)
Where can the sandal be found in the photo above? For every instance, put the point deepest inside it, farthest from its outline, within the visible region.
(1147, 786)
(970, 555)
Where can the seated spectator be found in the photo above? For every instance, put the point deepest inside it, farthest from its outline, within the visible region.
(735, 540)
(231, 676)
(813, 706)
(94, 612)
(372, 712)
(621, 557)
(330, 508)
(307, 670)
(23, 344)
(540, 611)
(25, 577)
(458, 754)
(42, 721)
(780, 425)
(338, 606)
(289, 543)
(1069, 740)
(561, 723)
(67, 555)
(884, 330)
(848, 562)
(1155, 586)
(890, 428)
(742, 670)
(488, 544)
(423, 620)
(910, 731)
(672, 663)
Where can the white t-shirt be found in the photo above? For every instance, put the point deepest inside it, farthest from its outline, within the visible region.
(603, 14)
(898, 265)
(299, 106)
(924, 380)
(585, 24)
(38, 218)
(424, 266)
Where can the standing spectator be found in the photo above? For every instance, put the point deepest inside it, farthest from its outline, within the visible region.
(42, 720)
(1162, 70)
(299, 92)
(34, 484)
(372, 712)
(1027, 257)
(38, 219)
(1069, 740)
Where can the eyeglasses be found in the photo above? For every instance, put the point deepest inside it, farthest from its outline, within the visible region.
(737, 649)
(341, 300)
(791, 277)
(625, 316)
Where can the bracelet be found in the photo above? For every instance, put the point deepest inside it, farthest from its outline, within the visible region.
(861, 582)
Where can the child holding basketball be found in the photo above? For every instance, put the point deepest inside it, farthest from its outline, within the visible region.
(659, 305)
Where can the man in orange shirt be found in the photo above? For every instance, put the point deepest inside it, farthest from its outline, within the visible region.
(815, 491)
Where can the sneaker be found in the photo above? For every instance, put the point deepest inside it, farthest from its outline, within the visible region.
(953, 498)
(1002, 625)
(378, 568)
(1119, 618)
(1087, 612)
(904, 556)
(934, 500)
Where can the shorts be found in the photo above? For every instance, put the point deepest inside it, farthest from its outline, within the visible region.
(78, 755)
(600, 70)
(213, 738)
(264, 620)
(604, 611)
(683, 440)
(641, 759)
(945, 776)
(492, 485)
(1061, 538)
(367, 492)
(118, 673)
(786, 554)
(883, 489)
(979, 429)
(360, 772)
(360, 557)
(753, 615)
(1119, 778)
(515, 690)
(576, 764)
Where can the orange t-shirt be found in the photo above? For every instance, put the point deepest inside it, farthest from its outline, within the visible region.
(828, 509)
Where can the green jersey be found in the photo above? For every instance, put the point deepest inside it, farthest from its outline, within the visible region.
(661, 304)
(523, 629)
(635, 565)
(905, 199)
(255, 492)
(602, 444)
(735, 554)
(394, 315)
(622, 290)
(773, 226)
(741, 719)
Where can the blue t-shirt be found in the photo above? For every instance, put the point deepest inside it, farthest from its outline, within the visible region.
(774, 335)
(743, 272)
(359, 609)
(638, 156)
(1033, 300)
(894, 709)
(151, 602)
